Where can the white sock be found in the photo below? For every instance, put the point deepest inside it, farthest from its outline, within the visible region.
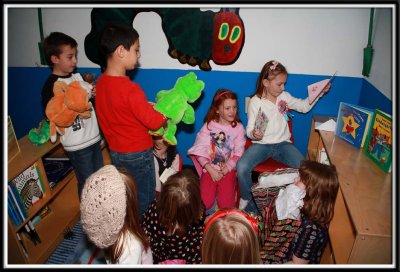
(243, 204)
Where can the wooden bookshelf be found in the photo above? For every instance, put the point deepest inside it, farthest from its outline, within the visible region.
(361, 229)
(63, 202)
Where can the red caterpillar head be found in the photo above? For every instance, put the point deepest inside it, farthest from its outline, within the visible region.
(228, 36)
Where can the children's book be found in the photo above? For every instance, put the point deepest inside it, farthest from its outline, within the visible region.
(56, 169)
(315, 89)
(353, 123)
(29, 185)
(261, 121)
(378, 145)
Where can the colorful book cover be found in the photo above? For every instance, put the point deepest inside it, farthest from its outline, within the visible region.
(378, 145)
(56, 169)
(29, 185)
(261, 121)
(353, 123)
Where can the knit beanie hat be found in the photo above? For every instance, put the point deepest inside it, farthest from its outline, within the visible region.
(103, 206)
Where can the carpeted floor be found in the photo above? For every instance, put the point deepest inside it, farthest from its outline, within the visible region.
(76, 249)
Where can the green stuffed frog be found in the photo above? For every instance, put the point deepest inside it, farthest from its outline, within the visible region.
(174, 104)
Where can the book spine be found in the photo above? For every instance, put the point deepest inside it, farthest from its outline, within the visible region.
(15, 201)
(40, 179)
(12, 213)
(18, 199)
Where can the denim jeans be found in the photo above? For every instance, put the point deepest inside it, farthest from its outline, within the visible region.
(284, 152)
(141, 166)
(85, 162)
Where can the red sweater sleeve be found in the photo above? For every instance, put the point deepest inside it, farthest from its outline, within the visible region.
(144, 111)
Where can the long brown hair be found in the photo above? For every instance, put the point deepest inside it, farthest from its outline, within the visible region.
(219, 97)
(132, 221)
(180, 202)
(321, 182)
(230, 239)
(270, 70)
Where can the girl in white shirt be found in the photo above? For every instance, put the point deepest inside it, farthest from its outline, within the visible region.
(274, 142)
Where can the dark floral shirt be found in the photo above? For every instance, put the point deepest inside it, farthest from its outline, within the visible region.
(309, 242)
(169, 247)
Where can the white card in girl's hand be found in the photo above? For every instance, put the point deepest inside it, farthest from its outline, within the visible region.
(166, 174)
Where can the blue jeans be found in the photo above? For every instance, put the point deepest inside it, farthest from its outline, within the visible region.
(85, 162)
(284, 152)
(141, 166)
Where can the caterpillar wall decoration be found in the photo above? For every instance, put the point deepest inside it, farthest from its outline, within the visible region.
(194, 36)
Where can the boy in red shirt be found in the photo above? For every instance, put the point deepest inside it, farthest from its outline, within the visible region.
(124, 114)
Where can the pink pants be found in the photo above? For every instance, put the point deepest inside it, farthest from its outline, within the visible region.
(222, 190)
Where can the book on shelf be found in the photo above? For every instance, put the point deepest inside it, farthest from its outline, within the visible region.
(315, 89)
(13, 193)
(13, 212)
(41, 214)
(29, 185)
(261, 121)
(353, 123)
(56, 169)
(378, 145)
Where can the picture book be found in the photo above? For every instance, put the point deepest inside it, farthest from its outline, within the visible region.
(56, 169)
(261, 121)
(314, 90)
(378, 145)
(352, 123)
(29, 185)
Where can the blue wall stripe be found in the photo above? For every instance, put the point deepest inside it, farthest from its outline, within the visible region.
(25, 84)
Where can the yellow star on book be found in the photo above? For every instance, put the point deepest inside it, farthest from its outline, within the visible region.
(350, 125)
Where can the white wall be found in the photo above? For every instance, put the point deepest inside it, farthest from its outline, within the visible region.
(381, 75)
(306, 40)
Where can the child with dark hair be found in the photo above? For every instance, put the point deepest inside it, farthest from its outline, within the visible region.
(81, 140)
(174, 223)
(218, 146)
(125, 116)
(320, 185)
(165, 157)
(109, 216)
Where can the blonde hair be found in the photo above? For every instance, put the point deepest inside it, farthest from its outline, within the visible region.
(230, 239)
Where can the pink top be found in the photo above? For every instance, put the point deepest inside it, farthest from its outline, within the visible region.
(216, 143)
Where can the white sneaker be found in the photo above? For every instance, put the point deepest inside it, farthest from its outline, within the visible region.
(243, 204)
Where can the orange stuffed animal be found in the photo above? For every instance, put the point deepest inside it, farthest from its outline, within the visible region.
(69, 101)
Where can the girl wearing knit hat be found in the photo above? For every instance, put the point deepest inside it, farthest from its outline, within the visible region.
(110, 218)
